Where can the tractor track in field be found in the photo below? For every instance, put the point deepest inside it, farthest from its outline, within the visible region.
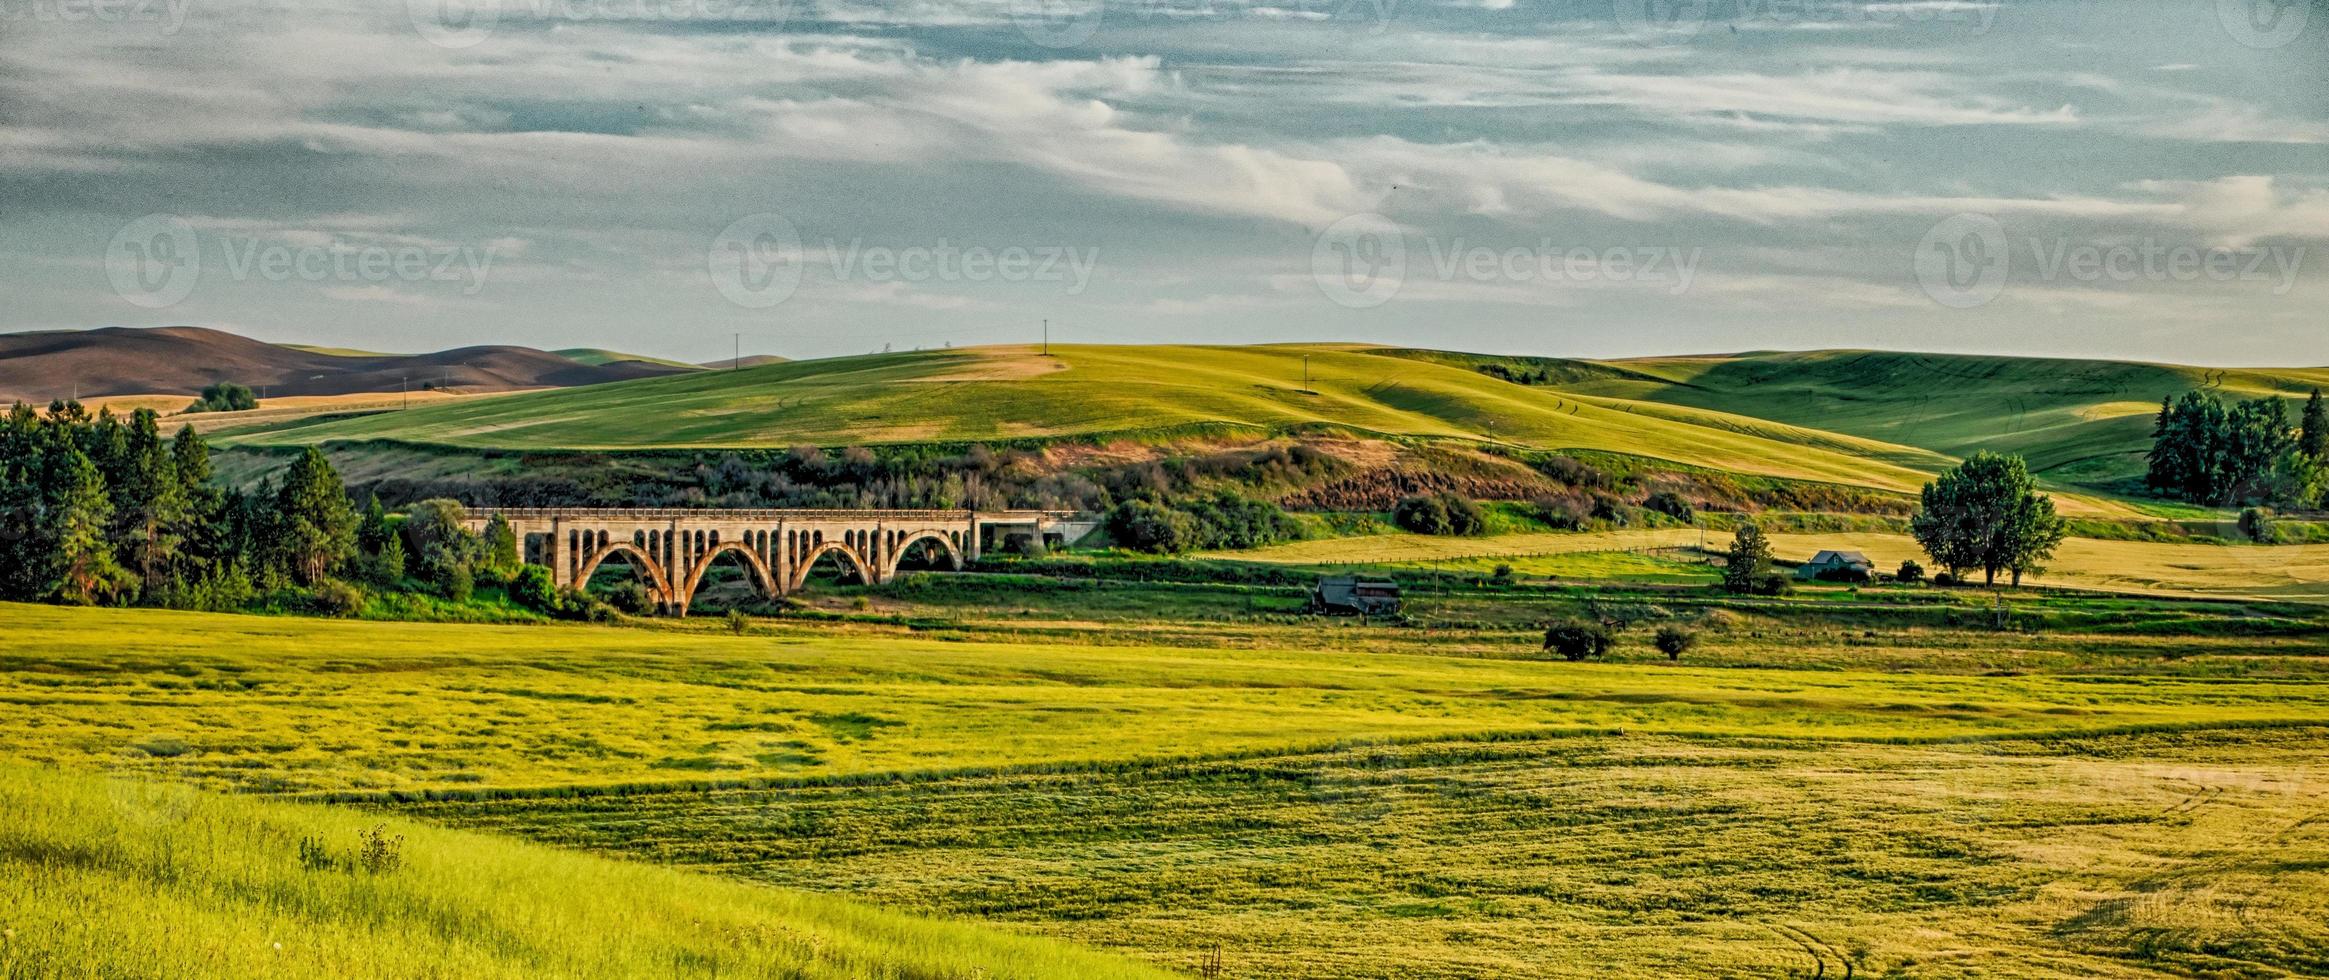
(1820, 950)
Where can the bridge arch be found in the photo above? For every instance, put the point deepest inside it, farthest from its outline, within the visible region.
(639, 561)
(808, 560)
(756, 568)
(896, 551)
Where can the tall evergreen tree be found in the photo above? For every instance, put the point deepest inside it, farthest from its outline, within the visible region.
(149, 505)
(77, 516)
(2313, 430)
(315, 527)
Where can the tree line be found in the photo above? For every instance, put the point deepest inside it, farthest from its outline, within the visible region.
(2206, 451)
(104, 510)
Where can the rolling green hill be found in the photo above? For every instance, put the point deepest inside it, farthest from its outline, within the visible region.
(1015, 392)
(110, 876)
(2073, 419)
(601, 357)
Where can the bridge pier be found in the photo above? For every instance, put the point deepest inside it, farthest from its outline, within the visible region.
(672, 549)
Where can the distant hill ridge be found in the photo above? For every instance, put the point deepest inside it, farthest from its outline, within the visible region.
(46, 365)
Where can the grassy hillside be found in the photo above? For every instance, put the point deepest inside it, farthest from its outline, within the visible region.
(600, 357)
(1013, 392)
(2079, 420)
(106, 876)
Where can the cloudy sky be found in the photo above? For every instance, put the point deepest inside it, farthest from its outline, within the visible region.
(2143, 178)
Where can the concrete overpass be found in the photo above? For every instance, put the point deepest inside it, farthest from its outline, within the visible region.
(672, 548)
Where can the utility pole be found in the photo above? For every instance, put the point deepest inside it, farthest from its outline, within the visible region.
(738, 363)
(404, 384)
(1047, 337)
(1305, 372)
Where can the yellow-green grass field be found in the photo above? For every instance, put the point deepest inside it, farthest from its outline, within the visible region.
(1292, 800)
(2285, 572)
(303, 705)
(2177, 854)
(1015, 392)
(111, 877)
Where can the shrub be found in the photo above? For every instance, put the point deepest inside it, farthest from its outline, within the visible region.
(633, 598)
(1611, 510)
(379, 853)
(1673, 641)
(456, 582)
(1440, 513)
(384, 568)
(1560, 514)
(1945, 579)
(2256, 523)
(1421, 514)
(535, 588)
(1672, 505)
(1910, 572)
(1577, 640)
(1773, 584)
(738, 622)
(1503, 574)
(1145, 526)
(332, 597)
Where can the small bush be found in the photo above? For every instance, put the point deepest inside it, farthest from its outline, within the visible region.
(1440, 513)
(1672, 505)
(1773, 584)
(738, 622)
(632, 598)
(379, 853)
(1560, 514)
(1578, 640)
(333, 597)
(1145, 526)
(2256, 523)
(1945, 579)
(535, 588)
(1910, 572)
(456, 582)
(1503, 574)
(1674, 641)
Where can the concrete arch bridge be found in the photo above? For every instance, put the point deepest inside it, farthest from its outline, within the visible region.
(672, 548)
